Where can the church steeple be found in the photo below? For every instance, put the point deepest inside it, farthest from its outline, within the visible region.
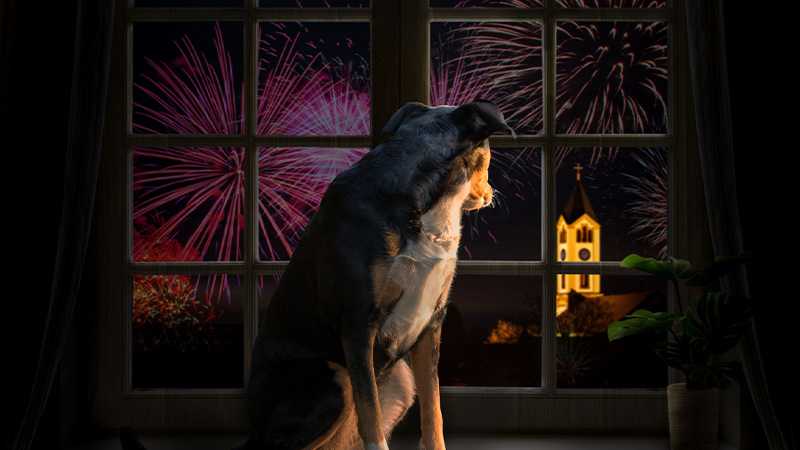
(578, 240)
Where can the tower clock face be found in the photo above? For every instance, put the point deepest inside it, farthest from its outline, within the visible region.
(584, 254)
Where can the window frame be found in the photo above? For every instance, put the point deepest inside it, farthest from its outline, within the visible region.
(394, 81)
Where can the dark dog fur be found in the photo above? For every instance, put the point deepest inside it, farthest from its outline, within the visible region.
(368, 284)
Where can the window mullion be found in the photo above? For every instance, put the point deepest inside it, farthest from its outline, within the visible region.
(549, 244)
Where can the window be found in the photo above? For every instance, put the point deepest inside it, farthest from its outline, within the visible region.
(236, 115)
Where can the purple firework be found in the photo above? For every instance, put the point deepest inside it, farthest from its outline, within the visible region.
(190, 95)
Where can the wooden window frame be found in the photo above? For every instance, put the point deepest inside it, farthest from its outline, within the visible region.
(394, 81)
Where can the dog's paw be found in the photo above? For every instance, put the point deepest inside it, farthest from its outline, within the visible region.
(378, 446)
(431, 445)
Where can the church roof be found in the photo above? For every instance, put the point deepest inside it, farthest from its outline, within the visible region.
(578, 204)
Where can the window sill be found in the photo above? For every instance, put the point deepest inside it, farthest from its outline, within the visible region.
(410, 441)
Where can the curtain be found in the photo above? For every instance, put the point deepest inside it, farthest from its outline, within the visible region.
(87, 97)
(717, 138)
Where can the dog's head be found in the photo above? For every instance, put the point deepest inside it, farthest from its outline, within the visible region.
(457, 139)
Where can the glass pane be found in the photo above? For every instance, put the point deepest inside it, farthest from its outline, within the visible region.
(584, 357)
(497, 61)
(510, 228)
(291, 184)
(266, 288)
(314, 3)
(188, 77)
(314, 78)
(611, 202)
(485, 3)
(189, 3)
(611, 77)
(188, 204)
(188, 332)
(612, 3)
(492, 332)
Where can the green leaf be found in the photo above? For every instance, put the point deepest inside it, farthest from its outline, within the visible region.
(641, 321)
(721, 266)
(719, 319)
(673, 270)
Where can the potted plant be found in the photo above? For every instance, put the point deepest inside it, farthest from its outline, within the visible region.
(712, 324)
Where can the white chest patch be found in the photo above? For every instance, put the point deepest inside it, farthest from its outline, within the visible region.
(423, 272)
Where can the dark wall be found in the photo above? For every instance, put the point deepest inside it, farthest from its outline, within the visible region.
(37, 42)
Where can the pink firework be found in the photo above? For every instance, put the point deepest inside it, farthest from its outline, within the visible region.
(191, 95)
(199, 195)
(292, 181)
(309, 93)
(499, 60)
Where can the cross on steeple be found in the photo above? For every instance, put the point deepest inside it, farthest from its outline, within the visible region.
(578, 168)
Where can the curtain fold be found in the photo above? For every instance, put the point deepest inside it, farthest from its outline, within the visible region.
(707, 39)
(92, 54)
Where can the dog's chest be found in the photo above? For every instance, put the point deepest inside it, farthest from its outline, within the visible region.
(422, 274)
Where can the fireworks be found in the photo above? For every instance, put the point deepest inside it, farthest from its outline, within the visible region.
(309, 93)
(611, 77)
(649, 210)
(190, 95)
(498, 61)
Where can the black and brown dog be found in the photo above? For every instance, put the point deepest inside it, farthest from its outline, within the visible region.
(367, 284)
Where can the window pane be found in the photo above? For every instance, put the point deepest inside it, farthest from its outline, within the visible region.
(291, 184)
(492, 332)
(187, 332)
(510, 228)
(189, 3)
(188, 204)
(188, 77)
(611, 77)
(485, 3)
(314, 78)
(314, 3)
(497, 61)
(612, 3)
(266, 288)
(618, 207)
(584, 357)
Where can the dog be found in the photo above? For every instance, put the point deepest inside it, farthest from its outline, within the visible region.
(368, 284)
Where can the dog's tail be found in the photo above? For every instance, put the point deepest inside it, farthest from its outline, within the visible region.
(129, 441)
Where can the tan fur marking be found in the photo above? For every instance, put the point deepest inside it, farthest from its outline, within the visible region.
(385, 288)
(341, 378)
(427, 381)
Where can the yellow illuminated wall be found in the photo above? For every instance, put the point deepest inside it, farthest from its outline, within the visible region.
(577, 241)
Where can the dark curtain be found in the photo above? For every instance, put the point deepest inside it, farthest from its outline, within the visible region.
(55, 64)
(724, 51)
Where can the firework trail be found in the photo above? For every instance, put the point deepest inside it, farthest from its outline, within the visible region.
(291, 184)
(611, 77)
(190, 95)
(611, 3)
(498, 61)
(649, 211)
(308, 93)
(196, 189)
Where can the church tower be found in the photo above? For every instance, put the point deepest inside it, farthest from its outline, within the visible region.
(578, 240)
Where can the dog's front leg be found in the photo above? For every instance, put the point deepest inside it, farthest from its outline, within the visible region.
(358, 349)
(424, 364)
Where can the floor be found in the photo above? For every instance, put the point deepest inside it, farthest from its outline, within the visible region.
(410, 442)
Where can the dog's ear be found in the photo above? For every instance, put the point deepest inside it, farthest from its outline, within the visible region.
(400, 115)
(480, 119)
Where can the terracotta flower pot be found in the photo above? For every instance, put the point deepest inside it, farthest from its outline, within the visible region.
(693, 417)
